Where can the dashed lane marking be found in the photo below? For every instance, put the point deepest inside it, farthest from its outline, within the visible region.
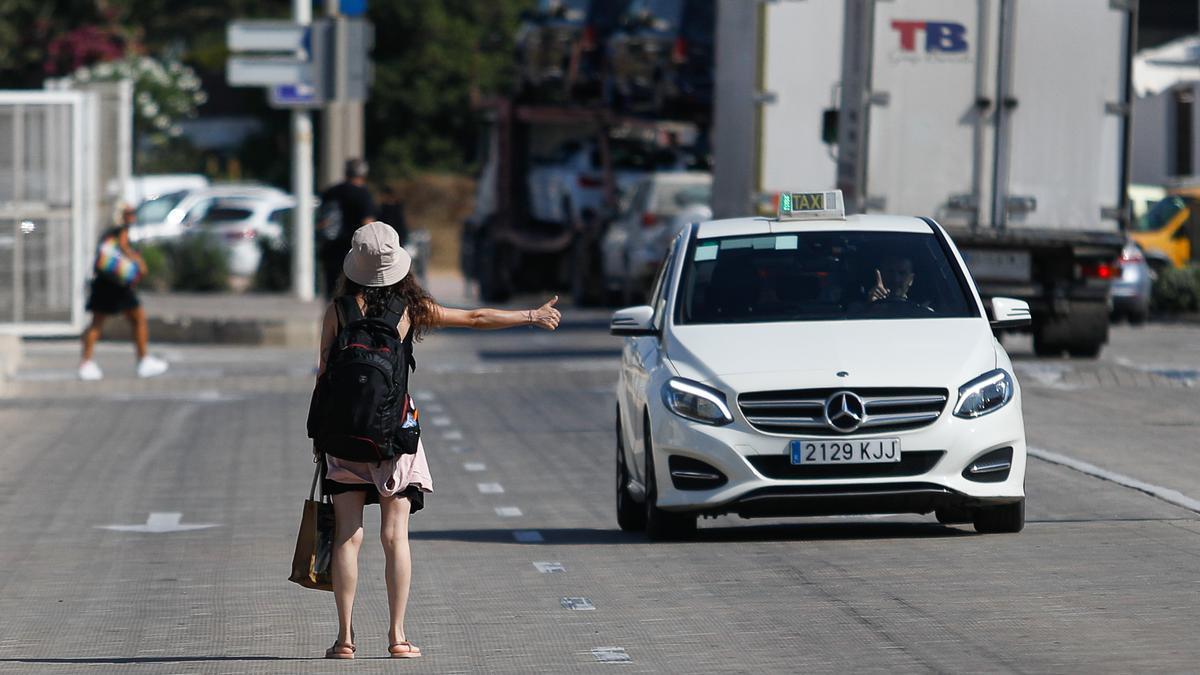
(441, 421)
(578, 604)
(528, 536)
(610, 654)
(549, 567)
(508, 512)
(1164, 493)
(159, 522)
(453, 435)
(424, 395)
(491, 488)
(474, 466)
(458, 448)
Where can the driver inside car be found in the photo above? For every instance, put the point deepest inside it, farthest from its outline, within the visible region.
(893, 279)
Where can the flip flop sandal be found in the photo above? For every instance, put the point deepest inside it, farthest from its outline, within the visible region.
(407, 650)
(334, 653)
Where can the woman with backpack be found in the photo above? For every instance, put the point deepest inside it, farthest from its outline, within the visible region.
(376, 288)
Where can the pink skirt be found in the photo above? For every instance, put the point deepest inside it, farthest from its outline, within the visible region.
(390, 477)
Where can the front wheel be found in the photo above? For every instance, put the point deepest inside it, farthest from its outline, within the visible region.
(1008, 518)
(662, 525)
(631, 517)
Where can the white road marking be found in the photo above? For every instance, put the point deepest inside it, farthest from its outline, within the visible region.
(527, 536)
(508, 512)
(441, 421)
(579, 604)
(159, 522)
(424, 395)
(474, 466)
(610, 654)
(200, 396)
(1048, 375)
(1166, 494)
(491, 488)
(549, 567)
(458, 448)
(435, 408)
(453, 435)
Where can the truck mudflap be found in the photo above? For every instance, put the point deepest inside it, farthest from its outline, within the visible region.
(1064, 276)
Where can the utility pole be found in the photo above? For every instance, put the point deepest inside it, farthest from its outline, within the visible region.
(302, 183)
(341, 118)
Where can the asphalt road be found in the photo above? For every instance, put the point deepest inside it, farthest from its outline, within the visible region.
(1105, 577)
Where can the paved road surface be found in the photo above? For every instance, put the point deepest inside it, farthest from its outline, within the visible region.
(1105, 578)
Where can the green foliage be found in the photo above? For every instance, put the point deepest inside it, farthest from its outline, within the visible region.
(435, 60)
(199, 264)
(1176, 290)
(159, 266)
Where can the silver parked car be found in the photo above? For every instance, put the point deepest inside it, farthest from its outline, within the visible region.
(635, 244)
(239, 223)
(1131, 291)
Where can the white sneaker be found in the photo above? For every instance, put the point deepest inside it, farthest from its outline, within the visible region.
(88, 370)
(151, 366)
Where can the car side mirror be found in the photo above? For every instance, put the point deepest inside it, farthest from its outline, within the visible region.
(829, 126)
(633, 322)
(1010, 313)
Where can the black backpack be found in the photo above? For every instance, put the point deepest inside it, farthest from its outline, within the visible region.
(361, 400)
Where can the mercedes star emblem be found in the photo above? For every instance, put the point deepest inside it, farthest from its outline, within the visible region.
(845, 411)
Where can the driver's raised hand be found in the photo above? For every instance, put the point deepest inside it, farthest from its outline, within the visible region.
(879, 292)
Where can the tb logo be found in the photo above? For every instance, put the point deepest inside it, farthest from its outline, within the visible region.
(940, 36)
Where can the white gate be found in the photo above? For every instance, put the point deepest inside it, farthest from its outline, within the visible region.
(47, 197)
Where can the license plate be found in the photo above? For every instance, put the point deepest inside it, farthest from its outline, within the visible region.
(871, 451)
(991, 265)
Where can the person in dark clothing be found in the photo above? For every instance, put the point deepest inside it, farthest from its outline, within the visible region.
(391, 211)
(355, 208)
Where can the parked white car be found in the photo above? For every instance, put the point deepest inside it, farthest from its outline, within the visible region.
(240, 223)
(635, 243)
(142, 188)
(817, 364)
(170, 215)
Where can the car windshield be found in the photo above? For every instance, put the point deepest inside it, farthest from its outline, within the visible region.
(1160, 214)
(820, 276)
(224, 214)
(155, 210)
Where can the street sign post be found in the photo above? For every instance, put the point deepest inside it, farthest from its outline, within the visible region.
(294, 96)
(267, 71)
(266, 36)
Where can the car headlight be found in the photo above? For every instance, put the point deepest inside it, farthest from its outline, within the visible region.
(985, 394)
(696, 402)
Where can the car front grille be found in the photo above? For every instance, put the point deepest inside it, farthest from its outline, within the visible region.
(802, 411)
(780, 467)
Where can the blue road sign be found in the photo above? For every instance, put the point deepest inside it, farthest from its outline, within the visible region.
(294, 96)
(352, 7)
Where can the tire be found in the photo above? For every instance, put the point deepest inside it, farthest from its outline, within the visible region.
(662, 525)
(1084, 351)
(1046, 349)
(953, 516)
(1006, 519)
(631, 517)
(1139, 316)
(491, 262)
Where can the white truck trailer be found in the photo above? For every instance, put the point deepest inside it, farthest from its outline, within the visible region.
(1007, 121)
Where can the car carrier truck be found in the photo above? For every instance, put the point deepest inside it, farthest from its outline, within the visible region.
(1007, 121)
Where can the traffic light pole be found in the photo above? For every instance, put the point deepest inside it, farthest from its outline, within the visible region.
(341, 119)
(302, 184)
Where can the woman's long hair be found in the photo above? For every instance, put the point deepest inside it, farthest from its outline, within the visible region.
(420, 304)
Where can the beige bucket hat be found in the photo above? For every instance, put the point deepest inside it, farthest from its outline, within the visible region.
(376, 257)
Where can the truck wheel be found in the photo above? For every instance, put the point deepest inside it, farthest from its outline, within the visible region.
(662, 525)
(1009, 518)
(491, 260)
(1044, 348)
(631, 517)
(1084, 351)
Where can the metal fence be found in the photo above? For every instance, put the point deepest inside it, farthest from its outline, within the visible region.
(48, 199)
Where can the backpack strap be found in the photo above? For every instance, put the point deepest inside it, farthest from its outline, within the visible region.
(395, 310)
(347, 309)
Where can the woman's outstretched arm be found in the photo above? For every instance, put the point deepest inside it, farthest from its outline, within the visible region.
(546, 317)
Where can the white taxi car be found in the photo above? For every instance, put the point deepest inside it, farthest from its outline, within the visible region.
(817, 364)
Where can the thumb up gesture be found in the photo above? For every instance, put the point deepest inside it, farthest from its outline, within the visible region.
(546, 316)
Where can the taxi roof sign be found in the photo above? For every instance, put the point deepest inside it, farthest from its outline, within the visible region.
(824, 205)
